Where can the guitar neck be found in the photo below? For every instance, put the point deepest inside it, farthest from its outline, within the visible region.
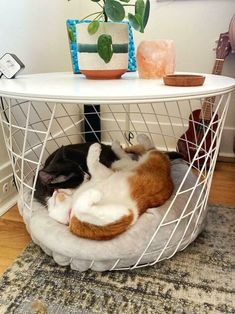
(218, 66)
(206, 111)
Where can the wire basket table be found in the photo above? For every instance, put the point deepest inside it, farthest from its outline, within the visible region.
(41, 112)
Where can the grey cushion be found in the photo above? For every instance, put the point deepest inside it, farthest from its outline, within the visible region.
(56, 240)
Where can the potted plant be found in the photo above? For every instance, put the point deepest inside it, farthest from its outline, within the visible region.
(103, 41)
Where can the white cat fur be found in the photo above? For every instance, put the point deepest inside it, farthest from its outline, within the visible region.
(98, 201)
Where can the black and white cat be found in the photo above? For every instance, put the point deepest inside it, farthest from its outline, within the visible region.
(66, 168)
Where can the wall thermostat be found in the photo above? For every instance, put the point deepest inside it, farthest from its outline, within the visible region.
(10, 65)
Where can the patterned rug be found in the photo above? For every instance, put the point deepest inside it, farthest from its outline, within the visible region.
(197, 280)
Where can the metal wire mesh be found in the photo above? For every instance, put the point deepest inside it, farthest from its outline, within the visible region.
(33, 130)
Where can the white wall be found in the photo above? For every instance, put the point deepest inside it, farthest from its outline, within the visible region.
(35, 31)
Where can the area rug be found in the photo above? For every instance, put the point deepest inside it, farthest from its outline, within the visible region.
(197, 280)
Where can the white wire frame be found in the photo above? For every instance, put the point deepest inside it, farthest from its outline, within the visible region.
(33, 130)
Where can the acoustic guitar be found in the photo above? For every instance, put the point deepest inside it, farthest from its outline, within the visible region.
(199, 119)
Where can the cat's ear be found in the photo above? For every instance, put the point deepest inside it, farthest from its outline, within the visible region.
(46, 177)
(62, 178)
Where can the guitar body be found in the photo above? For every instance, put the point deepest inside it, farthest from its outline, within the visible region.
(188, 143)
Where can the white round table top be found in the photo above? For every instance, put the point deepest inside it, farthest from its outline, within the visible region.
(75, 88)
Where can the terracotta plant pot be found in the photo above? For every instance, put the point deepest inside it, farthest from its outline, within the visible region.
(90, 63)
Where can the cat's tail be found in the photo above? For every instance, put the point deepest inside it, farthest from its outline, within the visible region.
(94, 220)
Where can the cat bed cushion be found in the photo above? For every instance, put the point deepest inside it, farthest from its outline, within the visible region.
(56, 240)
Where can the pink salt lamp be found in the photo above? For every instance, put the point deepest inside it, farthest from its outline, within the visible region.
(155, 58)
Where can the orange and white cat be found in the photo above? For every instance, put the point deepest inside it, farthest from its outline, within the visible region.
(113, 199)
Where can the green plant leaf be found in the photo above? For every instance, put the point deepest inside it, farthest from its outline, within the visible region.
(139, 7)
(126, 1)
(139, 13)
(140, 21)
(93, 27)
(114, 10)
(71, 35)
(104, 47)
(134, 20)
(146, 13)
(95, 0)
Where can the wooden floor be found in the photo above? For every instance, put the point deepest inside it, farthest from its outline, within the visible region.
(14, 237)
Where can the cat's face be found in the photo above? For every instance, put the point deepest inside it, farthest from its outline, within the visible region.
(60, 205)
(67, 169)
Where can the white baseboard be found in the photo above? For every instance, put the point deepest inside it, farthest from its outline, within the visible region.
(7, 204)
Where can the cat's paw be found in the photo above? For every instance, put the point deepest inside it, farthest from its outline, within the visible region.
(95, 149)
(117, 149)
(92, 196)
(93, 154)
(116, 144)
(145, 141)
(85, 201)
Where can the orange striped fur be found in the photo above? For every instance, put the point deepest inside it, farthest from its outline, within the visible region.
(90, 231)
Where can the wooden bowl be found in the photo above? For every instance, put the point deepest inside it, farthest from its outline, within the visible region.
(183, 80)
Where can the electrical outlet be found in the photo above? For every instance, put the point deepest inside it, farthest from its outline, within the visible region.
(7, 188)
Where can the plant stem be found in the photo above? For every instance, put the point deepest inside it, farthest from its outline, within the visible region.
(98, 16)
(100, 12)
(104, 13)
(105, 17)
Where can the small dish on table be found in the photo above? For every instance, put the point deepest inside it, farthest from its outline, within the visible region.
(184, 80)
